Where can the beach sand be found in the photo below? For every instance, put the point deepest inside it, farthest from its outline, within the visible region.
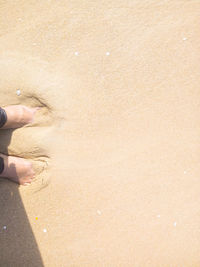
(116, 145)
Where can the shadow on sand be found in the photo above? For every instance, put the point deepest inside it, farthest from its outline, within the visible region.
(18, 246)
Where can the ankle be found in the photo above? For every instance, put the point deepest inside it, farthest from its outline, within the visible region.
(14, 116)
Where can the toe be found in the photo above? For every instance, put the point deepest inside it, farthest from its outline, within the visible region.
(27, 182)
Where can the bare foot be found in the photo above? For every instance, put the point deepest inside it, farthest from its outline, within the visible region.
(17, 170)
(18, 116)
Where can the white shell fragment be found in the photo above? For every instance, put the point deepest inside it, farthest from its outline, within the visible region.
(44, 230)
(99, 212)
(18, 92)
(107, 53)
(76, 53)
(184, 38)
(5, 227)
(175, 223)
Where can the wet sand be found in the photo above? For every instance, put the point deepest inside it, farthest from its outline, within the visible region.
(116, 143)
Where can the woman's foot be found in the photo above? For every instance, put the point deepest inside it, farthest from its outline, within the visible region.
(18, 116)
(18, 170)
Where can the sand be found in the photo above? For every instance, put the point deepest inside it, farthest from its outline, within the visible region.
(116, 145)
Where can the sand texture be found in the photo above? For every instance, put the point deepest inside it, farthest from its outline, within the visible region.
(116, 143)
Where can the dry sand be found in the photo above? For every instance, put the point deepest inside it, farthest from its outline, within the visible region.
(116, 145)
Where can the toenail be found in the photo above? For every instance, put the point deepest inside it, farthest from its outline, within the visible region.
(27, 184)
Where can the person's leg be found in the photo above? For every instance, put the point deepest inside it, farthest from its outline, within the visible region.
(16, 169)
(16, 116)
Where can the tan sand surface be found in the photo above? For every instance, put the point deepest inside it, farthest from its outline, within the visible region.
(116, 145)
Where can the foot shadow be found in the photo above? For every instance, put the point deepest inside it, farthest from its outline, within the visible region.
(18, 246)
